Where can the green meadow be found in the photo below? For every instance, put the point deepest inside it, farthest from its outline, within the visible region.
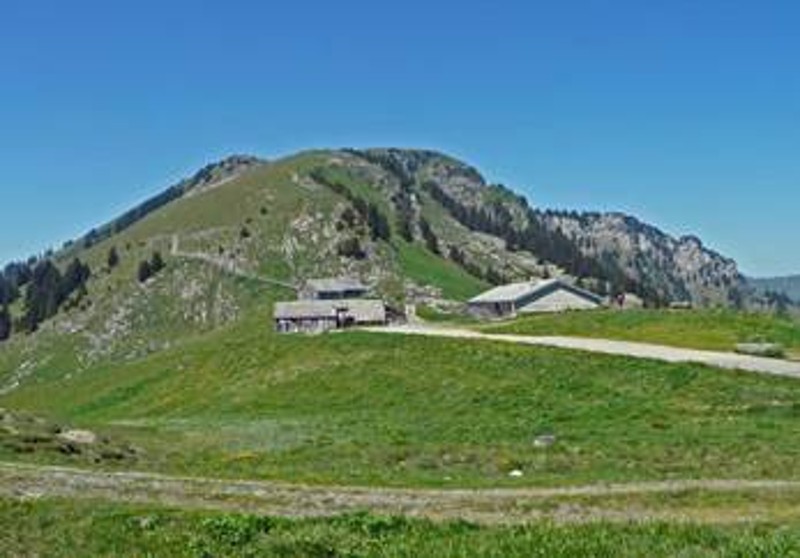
(698, 329)
(59, 528)
(375, 409)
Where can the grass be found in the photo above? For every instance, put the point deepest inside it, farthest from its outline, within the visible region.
(437, 315)
(428, 269)
(375, 409)
(23, 434)
(57, 528)
(698, 329)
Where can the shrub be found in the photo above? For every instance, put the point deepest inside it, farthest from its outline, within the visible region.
(145, 271)
(351, 248)
(156, 262)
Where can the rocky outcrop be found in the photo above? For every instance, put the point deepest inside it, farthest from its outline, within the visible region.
(612, 248)
(677, 268)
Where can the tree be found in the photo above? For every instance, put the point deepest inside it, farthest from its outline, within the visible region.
(455, 254)
(113, 258)
(5, 323)
(75, 276)
(48, 290)
(15, 276)
(431, 242)
(378, 225)
(5, 291)
(351, 248)
(44, 295)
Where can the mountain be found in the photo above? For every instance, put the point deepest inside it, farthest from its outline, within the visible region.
(663, 267)
(611, 251)
(788, 286)
(413, 224)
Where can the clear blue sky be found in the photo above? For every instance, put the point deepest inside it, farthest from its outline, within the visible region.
(684, 113)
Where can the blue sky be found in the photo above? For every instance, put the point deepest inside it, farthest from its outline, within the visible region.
(684, 113)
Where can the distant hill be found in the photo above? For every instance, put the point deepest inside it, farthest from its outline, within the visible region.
(789, 286)
(413, 224)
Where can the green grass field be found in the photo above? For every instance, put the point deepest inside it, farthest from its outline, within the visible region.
(427, 269)
(64, 528)
(382, 410)
(698, 329)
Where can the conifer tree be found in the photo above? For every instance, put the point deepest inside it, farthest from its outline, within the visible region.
(113, 258)
(5, 323)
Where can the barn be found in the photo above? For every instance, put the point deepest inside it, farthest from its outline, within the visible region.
(333, 288)
(552, 295)
(317, 316)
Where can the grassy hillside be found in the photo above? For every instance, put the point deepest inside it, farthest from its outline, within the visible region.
(698, 329)
(376, 409)
(57, 528)
(271, 222)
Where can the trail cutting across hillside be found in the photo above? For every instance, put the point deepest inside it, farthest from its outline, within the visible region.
(226, 265)
(731, 361)
(615, 502)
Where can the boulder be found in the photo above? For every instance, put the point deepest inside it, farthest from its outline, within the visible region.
(84, 437)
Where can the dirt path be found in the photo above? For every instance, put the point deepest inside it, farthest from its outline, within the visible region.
(485, 506)
(730, 361)
(225, 265)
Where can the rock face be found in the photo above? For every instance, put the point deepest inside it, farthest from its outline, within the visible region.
(612, 251)
(678, 269)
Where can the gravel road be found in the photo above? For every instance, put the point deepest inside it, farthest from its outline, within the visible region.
(730, 361)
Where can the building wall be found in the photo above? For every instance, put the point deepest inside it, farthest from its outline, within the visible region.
(326, 323)
(305, 325)
(490, 309)
(558, 300)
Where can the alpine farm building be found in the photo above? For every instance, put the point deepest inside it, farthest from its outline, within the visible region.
(326, 304)
(552, 295)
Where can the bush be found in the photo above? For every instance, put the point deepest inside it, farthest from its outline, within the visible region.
(351, 248)
(157, 262)
(145, 271)
(149, 268)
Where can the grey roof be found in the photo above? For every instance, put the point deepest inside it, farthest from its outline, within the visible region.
(335, 284)
(361, 310)
(516, 291)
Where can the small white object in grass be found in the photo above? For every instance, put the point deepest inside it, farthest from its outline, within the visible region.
(516, 473)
